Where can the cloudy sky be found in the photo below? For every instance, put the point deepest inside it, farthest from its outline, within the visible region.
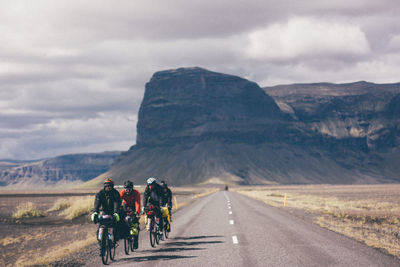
(72, 73)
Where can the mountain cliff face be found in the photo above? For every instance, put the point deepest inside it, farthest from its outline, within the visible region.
(193, 105)
(196, 125)
(59, 170)
(361, 112)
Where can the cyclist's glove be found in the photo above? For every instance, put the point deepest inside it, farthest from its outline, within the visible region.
(116, 216)
(95, 217)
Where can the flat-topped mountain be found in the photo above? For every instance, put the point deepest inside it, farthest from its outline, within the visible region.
(193, 105)
(200, 126)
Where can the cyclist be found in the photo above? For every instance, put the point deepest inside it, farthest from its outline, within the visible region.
(131, 207)
(109, 200)
(153, 195)
(166, 199)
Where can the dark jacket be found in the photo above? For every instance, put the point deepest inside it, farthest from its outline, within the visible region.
(110, 201)
(153, 196)
(166, 197)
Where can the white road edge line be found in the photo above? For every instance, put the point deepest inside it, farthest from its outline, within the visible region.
(226, 196)
(231, 222)
(234, 239)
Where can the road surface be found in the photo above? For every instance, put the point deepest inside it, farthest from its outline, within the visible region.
(229, 229)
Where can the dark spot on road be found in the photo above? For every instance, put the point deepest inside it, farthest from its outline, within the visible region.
(192, 243)
(154, 258)
(196, 237)
(169, 250)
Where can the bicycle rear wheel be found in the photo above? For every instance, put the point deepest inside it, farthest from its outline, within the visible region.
(111, 247)
(132, 240)
(156, 232)
(127, 245)
(166, 228)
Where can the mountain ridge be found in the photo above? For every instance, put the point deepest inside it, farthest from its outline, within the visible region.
(197, 125)
(60, 170)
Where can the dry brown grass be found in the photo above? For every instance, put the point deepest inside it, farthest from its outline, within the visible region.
(194, 193)
(22, 239)
(55, 253)
(78, 207)
(60, 204)
(206, 192)
(27, 210)
(20, 242)
(370, 214)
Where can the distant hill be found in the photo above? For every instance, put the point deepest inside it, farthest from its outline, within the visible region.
(55, 171)
(199, 126)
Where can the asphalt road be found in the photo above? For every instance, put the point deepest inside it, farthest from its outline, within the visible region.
(228, 229)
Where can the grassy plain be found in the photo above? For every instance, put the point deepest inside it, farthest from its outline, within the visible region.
(40, 228)
(367, 213)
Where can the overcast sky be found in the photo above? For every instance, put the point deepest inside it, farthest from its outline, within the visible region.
(72, 73)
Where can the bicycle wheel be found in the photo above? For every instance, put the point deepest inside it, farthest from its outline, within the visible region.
(127, 245)
(132, 240)
(111, 247)
(156, 232)
(104, 247)
(153, 234)
(166, 228)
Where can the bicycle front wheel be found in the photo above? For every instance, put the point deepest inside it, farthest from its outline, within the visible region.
(153, 234)
(104, 247)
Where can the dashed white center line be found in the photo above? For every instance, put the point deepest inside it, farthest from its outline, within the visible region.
(229, 207)
(234, 239)
(230, 212)
(231, 222)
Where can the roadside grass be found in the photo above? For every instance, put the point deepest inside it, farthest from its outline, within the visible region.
(22, 239)
(55, 253)
(374, 221)
(207, 192)
(60, 204)
(18, 243)
(26, 210)
(64, 250)
(78, 207)
(194, 195)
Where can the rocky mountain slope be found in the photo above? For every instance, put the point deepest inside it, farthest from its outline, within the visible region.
(55, 171)
(200, 126)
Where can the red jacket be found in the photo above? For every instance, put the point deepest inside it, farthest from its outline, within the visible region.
(132, 200)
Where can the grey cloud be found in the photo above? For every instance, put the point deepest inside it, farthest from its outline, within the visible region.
(21, 121)
(69, 69)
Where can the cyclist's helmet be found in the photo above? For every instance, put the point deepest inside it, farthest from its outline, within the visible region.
(109, 182)
(164, 184)
(128, 185)
(151, 180)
